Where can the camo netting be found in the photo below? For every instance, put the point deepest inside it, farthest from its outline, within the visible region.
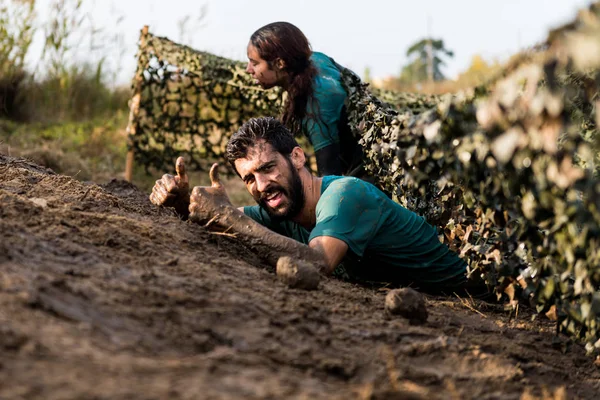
(190, 102)
(507, 171)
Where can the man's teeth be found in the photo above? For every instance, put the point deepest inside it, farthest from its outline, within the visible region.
(271, 195)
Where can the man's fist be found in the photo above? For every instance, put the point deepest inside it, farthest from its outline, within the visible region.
(173, 191)
(207, 202)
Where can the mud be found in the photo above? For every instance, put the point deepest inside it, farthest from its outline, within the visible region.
(297, 274)
(105, 296)
(408, 303)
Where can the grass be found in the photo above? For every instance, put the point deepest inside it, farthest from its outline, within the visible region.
(93, 150)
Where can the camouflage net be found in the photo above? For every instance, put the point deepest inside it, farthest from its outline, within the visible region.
(507, 171)
(190, 102)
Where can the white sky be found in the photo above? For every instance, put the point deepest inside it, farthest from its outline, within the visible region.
(358, 34)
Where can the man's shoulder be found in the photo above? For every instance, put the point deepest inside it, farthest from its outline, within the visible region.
(349, 210)
(347, 189)
(337, 182)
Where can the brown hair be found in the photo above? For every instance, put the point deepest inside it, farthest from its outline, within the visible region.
(285, 41)
(269, 129)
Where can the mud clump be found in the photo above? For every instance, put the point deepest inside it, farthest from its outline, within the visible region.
(297, 274)
(407, 303)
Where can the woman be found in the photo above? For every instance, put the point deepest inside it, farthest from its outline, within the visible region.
(280, 55)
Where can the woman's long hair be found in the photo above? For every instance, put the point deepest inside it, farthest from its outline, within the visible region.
(285, 41)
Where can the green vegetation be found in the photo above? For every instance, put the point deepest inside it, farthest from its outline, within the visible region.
(427, 61)
(89, 150)
(61, 112)
(507, 172)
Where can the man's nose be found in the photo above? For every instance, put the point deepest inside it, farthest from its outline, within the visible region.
(249, 68)
(262, 182)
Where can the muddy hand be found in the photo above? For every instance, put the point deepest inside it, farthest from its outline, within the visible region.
(173, 191)
(209, 202)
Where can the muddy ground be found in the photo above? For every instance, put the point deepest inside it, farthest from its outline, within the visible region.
(104, 296)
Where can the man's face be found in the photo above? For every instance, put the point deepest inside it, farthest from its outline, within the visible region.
(260, 70)
(272, 180)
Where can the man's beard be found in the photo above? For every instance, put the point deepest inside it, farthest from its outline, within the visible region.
(294, 194)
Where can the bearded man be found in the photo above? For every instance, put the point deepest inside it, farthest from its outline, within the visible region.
(336, 222)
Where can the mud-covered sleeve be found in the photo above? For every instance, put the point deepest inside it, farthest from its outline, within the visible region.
(285, 228)
(348, 210)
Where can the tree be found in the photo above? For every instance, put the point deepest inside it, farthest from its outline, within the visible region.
(479, 71)
(426, 61)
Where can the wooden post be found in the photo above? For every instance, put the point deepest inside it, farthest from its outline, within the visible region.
(134, 107)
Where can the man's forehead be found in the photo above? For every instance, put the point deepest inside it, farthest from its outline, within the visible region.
(261, 153)
(261, 150)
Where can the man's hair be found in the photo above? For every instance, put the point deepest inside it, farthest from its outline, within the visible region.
(269, 129)
(285, 41)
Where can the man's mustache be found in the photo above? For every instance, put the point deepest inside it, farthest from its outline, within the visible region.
(273, 188)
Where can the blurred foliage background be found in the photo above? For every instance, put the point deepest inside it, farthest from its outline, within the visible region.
(64, 110)
(61, 110)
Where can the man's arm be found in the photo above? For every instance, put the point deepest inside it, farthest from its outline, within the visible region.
(332, 249)
(349, 213)
(211, 206)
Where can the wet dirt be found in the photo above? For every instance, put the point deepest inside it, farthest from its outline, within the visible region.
(105, 296)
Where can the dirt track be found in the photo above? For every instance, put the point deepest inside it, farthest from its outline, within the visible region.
(104, 296)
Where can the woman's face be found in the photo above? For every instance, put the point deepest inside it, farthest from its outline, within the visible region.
(260, 70)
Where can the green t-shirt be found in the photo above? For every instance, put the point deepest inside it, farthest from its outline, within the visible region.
(386, 242)
(329, 99)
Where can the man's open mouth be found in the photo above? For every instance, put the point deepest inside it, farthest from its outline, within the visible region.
(273, 199)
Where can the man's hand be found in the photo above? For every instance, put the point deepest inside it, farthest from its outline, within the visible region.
(173, 191)
(210, 202)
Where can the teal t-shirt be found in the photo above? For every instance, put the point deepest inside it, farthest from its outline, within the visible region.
(386, 242)
(329, 99)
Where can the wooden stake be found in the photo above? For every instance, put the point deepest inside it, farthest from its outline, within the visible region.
(134, 107)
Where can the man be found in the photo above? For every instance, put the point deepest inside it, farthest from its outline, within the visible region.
(328, 220)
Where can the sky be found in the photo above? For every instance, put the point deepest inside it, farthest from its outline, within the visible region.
(358, 34)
